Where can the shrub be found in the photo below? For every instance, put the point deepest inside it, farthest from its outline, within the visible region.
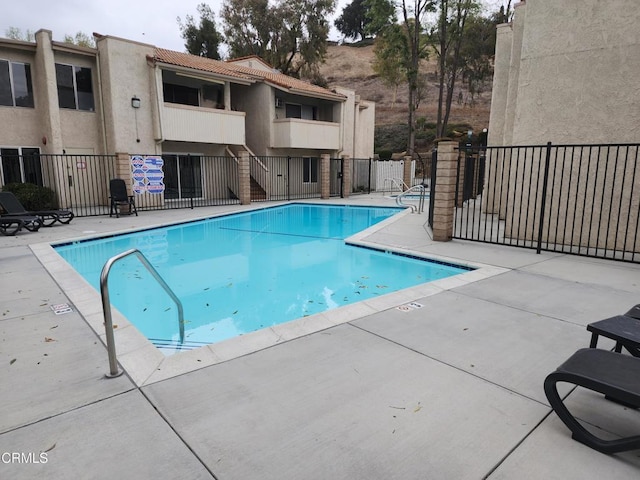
(384, 154)
(391, 137)
(33, 197)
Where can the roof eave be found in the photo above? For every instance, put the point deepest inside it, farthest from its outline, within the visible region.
(204, 73)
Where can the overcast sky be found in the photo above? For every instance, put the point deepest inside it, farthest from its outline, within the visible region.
(149, 21)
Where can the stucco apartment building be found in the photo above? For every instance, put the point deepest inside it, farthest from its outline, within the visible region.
(567, 73)
(126, 97)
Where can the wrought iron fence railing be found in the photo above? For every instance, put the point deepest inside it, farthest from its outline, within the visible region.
(575, 199)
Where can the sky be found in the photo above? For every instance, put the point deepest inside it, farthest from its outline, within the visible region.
(148, 21)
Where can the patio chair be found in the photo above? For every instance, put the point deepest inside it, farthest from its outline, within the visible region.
(13, 207)
(12, 224)
(616, 376)
(120, 198)
(624, 329)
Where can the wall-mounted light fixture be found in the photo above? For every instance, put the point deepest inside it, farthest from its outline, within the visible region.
(135, 102)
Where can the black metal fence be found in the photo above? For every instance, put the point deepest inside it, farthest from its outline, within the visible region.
(285, 178)
(575, 199)
(81, 182)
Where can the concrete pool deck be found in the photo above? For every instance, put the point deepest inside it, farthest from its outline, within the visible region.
(449, 390)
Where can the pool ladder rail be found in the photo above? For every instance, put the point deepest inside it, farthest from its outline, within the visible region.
(114, 370)
(420, 208)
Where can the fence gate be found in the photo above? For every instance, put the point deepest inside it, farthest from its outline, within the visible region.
(336, 167)
(574, 199)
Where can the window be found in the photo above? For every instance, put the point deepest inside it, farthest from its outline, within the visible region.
(16, 89)
(21, 165)
(180, 94)
(310, 170)
(293, 111)
(306, 112)
(75, 88)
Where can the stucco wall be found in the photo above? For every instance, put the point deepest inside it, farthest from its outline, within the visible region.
(21, 125)
(576, 79)
(125, 73)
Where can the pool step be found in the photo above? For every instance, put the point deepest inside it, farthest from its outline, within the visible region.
(176, 346)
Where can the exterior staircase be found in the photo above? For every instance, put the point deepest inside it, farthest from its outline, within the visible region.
(257, 192)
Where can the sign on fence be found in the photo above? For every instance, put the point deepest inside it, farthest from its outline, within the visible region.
(147, 174)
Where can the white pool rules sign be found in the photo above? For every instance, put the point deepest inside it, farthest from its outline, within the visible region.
(147, 174)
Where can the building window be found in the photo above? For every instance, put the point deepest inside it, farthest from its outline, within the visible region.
(310, 170)
(21, 165)
(75, 88)
(306, 112)
(181, 94)
(16, 89)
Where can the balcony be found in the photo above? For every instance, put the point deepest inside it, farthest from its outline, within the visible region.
(310, 134)
(184, 123)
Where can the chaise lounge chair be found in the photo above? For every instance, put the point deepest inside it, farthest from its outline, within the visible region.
(615, 375)
(12, 224)
(14, 208)
(624, 329)
(120, 198)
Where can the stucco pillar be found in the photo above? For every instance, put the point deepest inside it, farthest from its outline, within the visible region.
(500, 89)
(347, 180)
(444, 198)
(325, 176)
(244, 178)
(519, 13)
(406, 172)
(46, 93)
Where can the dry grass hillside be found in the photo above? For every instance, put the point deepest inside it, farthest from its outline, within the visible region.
(351, 67)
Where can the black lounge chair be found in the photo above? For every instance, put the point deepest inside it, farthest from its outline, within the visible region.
(624, 329)
(14, 208)
(12, 224)
(615, 375)
(119, 198)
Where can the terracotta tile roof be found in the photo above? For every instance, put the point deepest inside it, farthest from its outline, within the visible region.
(197, 63)
(286, 81)
(230, 69)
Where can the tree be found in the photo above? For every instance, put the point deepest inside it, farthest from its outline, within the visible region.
(399, 50)
(391, 54)
(81, 39)
(353, 20)
(476, 52)
(203, 39)
(379, 14)
(448, 36)
(290, 35)
(15, 33)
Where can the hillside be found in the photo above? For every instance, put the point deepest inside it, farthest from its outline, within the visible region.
(351, 67)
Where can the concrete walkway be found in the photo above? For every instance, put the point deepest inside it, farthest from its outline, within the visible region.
(452, 390)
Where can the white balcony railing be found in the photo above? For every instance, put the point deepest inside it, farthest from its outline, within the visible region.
(298, 133)
(185, 123)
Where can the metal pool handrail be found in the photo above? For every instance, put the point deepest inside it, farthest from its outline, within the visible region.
(114, 371)
(420, 206)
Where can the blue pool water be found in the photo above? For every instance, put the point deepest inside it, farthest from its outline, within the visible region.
(239, 273)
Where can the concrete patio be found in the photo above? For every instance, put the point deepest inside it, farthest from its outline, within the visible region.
(452, 390)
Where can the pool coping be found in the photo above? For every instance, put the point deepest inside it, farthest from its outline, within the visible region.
(145, 364)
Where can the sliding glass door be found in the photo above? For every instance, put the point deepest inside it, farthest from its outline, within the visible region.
(182, 176)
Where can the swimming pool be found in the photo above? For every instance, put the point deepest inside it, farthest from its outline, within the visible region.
(243, 272)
